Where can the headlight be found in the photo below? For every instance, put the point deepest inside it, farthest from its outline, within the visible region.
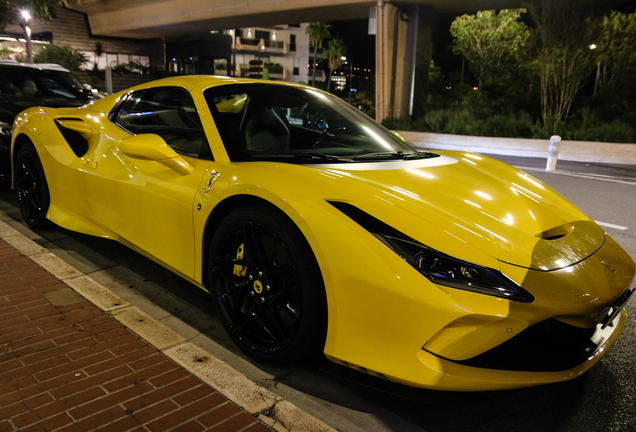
(445, 270)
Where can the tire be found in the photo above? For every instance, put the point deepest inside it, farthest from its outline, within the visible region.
(267, 287)
(33, 190)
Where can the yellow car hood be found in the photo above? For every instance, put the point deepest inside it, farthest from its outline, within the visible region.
(485, 203)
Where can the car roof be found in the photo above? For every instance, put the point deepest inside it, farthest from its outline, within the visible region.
(190, 82)
(41, 66)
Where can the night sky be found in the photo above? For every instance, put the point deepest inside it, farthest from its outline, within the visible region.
(360, 45)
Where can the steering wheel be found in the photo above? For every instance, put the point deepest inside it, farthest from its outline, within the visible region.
(327, 133)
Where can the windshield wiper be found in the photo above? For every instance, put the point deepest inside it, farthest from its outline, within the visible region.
(302, 156)
(320, 156)
(393, 155)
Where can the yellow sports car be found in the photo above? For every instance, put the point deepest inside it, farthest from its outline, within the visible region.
(317, 230)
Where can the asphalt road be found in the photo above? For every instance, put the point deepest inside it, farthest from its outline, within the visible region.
(602, 400)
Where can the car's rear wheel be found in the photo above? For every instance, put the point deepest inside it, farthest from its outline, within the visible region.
(33, 190)
(267, 286)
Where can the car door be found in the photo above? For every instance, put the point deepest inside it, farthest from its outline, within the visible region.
(147, 200)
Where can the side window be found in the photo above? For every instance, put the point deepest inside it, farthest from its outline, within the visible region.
(168, 112)
(8, 87)
(56, 88)
(17, 85)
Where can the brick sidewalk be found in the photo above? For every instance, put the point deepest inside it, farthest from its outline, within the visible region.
(67, 366)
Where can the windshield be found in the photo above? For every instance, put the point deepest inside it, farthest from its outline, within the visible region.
(64, 84)
(68, 78)
(279, 122)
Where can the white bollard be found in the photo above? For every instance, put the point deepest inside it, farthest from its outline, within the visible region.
(553, 152)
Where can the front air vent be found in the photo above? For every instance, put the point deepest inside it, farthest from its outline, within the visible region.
(549, 346)
(556, 233)
(74, 139)
(555, 237)
(368, 222)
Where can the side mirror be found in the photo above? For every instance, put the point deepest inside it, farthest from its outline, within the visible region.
(153, 147)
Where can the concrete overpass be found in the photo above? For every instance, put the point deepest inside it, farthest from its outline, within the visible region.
(403, 30)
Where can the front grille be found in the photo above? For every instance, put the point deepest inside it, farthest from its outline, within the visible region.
(549, 346)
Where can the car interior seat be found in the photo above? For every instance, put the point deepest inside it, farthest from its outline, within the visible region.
(29, 88)
(263, 129)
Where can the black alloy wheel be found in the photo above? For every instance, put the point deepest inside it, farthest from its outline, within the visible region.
(33, 190)
(267, 286)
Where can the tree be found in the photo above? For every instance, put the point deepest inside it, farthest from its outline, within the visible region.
(335, 50)
(615, 50)
(98, 51)
(63, 55)
(10, 10)
(317, 31)
(489, 40)
(562, 47)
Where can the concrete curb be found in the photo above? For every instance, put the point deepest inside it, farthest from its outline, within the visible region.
(578, 151)
(278, 413)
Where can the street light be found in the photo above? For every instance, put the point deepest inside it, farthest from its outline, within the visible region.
(344, 59)
(26, 16)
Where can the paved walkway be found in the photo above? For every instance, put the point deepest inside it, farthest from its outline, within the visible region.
(67, 366)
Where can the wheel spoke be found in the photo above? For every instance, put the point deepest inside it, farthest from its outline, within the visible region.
(254, 250)
(239, 319)
(227, 260)
(270, 324)
(35, 200)
(237, 290)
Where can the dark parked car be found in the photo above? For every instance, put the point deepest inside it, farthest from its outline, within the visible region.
(26, 85)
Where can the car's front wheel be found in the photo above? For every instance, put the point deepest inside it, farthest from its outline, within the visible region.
(267, 286)
(30, 183)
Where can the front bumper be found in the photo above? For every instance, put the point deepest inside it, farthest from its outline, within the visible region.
(459, 376)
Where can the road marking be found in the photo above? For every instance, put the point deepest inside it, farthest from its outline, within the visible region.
(609, 225)
(600, 177)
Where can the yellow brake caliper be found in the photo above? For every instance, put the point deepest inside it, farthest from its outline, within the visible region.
(241, 271)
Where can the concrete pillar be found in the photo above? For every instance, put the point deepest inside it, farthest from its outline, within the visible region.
(403, 55)
(381, 110)
(426, 23)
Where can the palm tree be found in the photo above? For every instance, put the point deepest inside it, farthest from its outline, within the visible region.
(336, 49)
(317, 31)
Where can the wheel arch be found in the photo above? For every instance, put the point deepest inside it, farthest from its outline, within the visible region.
(221, 211)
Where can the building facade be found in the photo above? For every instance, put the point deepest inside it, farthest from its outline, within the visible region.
(69, 27)
(283, 51)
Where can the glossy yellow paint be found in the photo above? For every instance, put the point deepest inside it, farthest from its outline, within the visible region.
(431, 371)
(384, 317)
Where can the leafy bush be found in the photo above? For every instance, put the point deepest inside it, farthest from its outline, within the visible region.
(123, 68)
(502, 126)
(458, 120)
(138, 67)
(63, 55)
(5, 53)
(436, 119)
(420, 125)
(615, 132)
(402, 123)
